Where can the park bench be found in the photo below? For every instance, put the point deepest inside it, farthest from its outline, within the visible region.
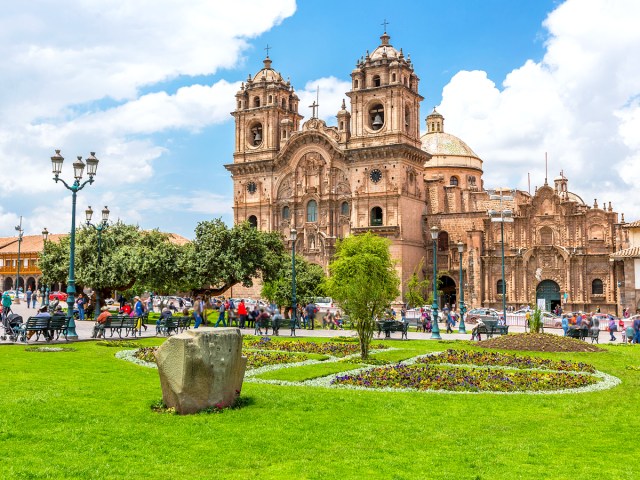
(584, 333)
(491, 328)
(119, 323)
(389, 326)
(48, 327)
(173, 324)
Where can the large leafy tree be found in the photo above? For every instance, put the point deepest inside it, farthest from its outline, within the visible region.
(364, 281)
(310, 280)
(131, 259)
(223, 257)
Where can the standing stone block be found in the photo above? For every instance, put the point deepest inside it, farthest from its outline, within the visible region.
(201, 369)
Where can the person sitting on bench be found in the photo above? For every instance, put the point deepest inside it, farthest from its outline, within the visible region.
(98, 330)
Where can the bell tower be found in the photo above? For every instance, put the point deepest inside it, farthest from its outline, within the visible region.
(385, 103)
(266, 115)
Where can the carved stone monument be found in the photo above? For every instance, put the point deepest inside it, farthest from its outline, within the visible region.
(201, 369)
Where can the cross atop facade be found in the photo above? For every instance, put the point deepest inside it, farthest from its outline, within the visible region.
(384, 24)
(267, 48)
(314, 109)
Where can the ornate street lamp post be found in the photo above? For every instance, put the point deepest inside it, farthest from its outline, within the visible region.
(504, 215)
(294, 304)
(98, 228)
(78, 169)
(461, 328)
(20, 233)
(45, 288)
(435, 330)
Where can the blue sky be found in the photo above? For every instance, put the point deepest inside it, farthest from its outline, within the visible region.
(149, 85)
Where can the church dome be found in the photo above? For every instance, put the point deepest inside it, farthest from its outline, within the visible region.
(446, 150)
(385, 50)
(441, 143)
(267, 73)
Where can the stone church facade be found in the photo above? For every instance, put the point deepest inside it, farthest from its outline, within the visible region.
(374, 172)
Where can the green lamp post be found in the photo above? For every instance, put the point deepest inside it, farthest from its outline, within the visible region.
(502, 216)
(461, 326)
(435, 331)
(98, 228)
(45, 288)
(20, 231)
(294, 302)
(75, 187)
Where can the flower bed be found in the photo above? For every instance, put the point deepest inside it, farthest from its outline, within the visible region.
(255, 359)
(334, 349)
(468, 357)
(456, 379)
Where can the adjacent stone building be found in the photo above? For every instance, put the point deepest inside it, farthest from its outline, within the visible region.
(374, 172)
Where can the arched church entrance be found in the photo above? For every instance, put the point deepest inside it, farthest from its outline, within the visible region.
(8, 283)
(447, 291)
(549, 291)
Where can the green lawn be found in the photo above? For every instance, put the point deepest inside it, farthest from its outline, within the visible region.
(86, 414)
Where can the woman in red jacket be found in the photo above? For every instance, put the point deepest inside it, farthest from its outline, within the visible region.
(242, 313)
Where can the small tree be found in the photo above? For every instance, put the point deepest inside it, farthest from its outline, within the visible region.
(414, 294)
(536, 323)
(364, 281)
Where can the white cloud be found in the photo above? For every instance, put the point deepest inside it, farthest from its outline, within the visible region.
(579, 104)
(72, 79)
(330, 95)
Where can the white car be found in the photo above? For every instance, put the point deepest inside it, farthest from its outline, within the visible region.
(12, 294)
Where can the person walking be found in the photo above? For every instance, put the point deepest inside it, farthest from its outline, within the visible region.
(636, 330)
(197, 312)
(80, 303)
(6, 304)
(242, 313)
(221, 312)
(612, 328)
(28, 295)
(565, 325)
(311, 313)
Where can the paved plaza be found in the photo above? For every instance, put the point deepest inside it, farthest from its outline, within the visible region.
(85, 328)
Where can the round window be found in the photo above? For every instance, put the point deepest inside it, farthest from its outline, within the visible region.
(252, 187)
(375, 175)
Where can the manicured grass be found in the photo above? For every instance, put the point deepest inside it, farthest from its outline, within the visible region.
(86, 414)
(307, 372)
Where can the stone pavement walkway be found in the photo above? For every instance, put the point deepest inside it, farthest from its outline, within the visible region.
(85, 328)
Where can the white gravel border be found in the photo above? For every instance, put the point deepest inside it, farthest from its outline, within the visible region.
(607, 381)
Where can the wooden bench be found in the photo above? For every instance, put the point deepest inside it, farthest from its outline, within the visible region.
(49, 327)
(168, 325)
(118, 323)
(491, 328)
(393, 326)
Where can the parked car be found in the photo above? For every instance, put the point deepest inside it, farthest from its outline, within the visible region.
(61, 296)
(483, 311)
(12, 294)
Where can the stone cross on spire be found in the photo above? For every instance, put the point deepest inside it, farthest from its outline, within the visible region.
(384, 24)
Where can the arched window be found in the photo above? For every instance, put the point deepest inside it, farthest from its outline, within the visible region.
(546, 236)
(284, 104)
(376, 217)
(341, 125)
(285, 213)
(239, 104)
(499, 287)
(454, 181)
(376, 80)
(270, 99)
(597, 288)
(312, 211)
(253, 221)
(256, 101)
(355, 84)
(443, 241)
(393, 77)
(344, 208)
(407, 118)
